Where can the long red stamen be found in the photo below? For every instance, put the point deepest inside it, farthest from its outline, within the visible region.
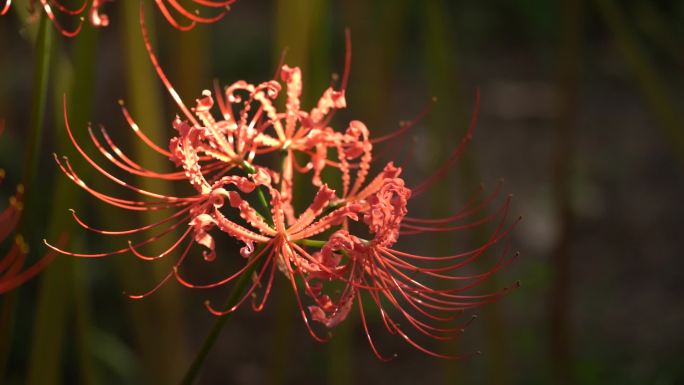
(455, 154)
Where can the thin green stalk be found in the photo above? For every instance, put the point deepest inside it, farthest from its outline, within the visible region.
(210, 340)
(40, 87)
(311, 243)
(233, 297)
(62, 312)
(82, 90)
(239, 288)
(159, 322)
(33, 141)
(261, 196)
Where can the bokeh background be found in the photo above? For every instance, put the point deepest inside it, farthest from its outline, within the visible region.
(581, 114)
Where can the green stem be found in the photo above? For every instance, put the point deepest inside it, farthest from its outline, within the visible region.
(250, 169)
(298, 51)
(62, 305)
(159, 326)
(210, 340)
(235, 294)
(239, 288)
(35, 134)
(311, 243)
(40, 86)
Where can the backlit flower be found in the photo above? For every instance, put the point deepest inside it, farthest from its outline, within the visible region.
(420, 289)
(425, 292)
(205, 174)
(341, 250)
(279, 245)
(178, 15)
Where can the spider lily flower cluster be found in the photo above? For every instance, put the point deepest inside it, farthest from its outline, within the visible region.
(177, 14)
(339, 251)
(13, 272)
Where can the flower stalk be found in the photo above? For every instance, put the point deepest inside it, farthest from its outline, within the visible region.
(33, 140)
(217, 148)
(210, 340)
(41, 76)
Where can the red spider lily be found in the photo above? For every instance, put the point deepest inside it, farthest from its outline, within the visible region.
(177, 14)
(250, 124)
(295, 130)
(202, 212)
(12, 272)
(417, 296)
(280, 244)
(408, 284)
(204, 150)
(387, 275)
(267, 130)
(209, 180)
(419, 288)
(301, 131)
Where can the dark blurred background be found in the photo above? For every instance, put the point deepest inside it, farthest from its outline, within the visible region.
(581, 114)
